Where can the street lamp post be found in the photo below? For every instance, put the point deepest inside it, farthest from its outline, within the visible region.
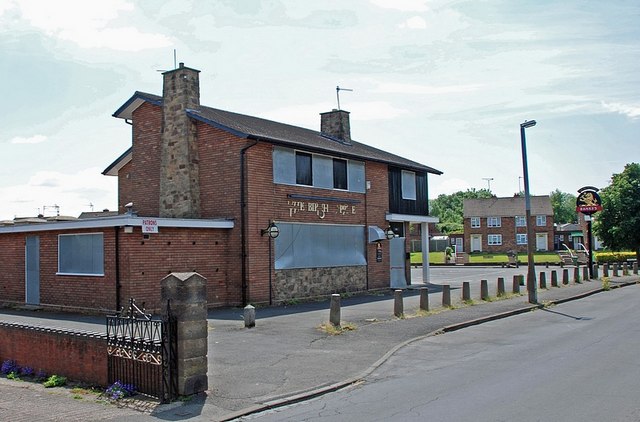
(531, 271)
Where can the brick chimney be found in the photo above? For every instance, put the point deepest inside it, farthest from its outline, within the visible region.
(336, 123)
(179, 174)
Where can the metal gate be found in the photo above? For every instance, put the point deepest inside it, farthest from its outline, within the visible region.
(142, 351)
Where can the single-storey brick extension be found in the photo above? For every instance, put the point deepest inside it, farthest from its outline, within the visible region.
(202, 189)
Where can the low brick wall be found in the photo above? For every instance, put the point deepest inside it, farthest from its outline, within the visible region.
(77, 355)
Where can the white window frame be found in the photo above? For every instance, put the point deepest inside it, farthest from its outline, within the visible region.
(409, 188)
(520, 237)
(494, 239)
(475, 222)
(96, 254)
(494, 222)
(521, 221)
(541, 220)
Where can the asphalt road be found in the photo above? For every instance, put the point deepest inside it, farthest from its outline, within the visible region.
(574, 362)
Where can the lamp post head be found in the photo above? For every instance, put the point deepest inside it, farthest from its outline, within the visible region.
(527, 123)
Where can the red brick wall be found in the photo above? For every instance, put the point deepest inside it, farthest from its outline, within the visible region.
(78, 356)
(139, 180)
(12, 267)
(145, 262)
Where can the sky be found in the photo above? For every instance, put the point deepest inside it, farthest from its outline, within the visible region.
(444, 83)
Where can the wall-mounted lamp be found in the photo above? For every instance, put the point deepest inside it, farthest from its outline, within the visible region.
(272, 231)
(389, 233)
(128, 229)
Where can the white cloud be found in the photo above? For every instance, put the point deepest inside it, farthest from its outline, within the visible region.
(398, 88)
(35, 139)
(632, 111)
(89, 24)
(72, 192)
(403, 5)
(415, 22)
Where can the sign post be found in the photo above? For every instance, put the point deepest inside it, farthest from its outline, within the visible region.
(588, 202)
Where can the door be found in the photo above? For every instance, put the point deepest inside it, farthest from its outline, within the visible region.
(32, 270)
(476, 243)
(541, 242)
(459, 245)
(397, 259)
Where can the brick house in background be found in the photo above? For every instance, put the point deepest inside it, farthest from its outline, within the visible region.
(196, 192)
(499, 224)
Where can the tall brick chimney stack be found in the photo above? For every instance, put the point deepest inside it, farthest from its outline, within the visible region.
(336, 124)
(179, 175)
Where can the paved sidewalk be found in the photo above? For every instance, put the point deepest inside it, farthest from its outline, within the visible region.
(286, 357)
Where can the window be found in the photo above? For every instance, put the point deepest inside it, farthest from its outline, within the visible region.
(81, 254)
(339, 174)
(541, 220)
(521, 221)
(475, 222)
(494, 222)
(319, 245)
(494, 239)
(521, 239)
(408, 185)
(292, 167)
(303, 169)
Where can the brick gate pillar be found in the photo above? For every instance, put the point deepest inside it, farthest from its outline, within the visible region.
(188, 295)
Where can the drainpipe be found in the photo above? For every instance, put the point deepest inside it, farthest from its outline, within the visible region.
(117, 269)
(243, 220)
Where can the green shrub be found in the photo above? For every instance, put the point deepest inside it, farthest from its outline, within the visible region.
(55, 381)
(608, 257)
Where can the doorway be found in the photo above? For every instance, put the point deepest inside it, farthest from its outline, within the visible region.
(32, 270)
(397, 260)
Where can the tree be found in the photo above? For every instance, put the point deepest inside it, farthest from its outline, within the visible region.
(618, 224)
(448, 208)
(564, 207)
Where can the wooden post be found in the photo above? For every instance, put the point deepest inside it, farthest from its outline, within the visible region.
(484, 290)
(446, 295)
(466, 291)
(500, 289)
(424, 298)
(334, 312)
(398, 306)
(543, 280)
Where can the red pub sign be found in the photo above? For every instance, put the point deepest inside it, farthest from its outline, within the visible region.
(588, 201)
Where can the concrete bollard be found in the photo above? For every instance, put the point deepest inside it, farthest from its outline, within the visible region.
(516, 284)
(466, 291)
(554, 278)
(605, 270)
(484, 290)
(398, 305)
(334, 312)
(596, 269)
(625, 269)
(424, 298)
(543, 280)
(500, 290)
(446, 295)
(585, 273)
(615, 269)
(565, 276)
(576, 275)
(249, 316)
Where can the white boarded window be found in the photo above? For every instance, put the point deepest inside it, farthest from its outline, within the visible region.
(319, 245)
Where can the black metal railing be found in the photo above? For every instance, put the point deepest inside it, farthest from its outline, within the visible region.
(141, 351)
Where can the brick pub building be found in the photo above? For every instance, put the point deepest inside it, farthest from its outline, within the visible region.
(199, 190)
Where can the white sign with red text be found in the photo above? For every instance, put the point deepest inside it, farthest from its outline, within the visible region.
(149, 225)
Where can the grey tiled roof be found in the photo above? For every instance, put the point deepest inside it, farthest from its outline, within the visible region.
(506, 207)
(278, 133)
